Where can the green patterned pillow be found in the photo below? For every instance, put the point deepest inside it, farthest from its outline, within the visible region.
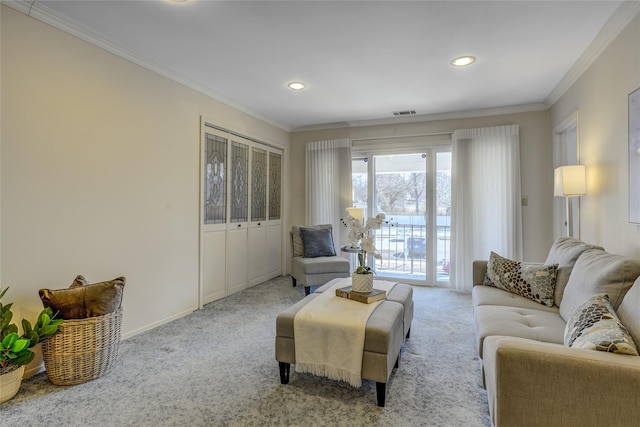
(594, 325)
(533, 281)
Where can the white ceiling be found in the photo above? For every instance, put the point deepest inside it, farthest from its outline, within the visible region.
(361, 60)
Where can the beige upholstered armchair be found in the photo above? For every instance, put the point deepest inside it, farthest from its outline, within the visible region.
(314, 260)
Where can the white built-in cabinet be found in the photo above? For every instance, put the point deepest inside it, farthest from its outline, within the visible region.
(241, 204)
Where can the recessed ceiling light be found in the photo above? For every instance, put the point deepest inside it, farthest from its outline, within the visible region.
(297, 85)
(463, 61)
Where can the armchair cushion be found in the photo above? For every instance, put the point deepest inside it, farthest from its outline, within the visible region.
(317, 242)
(296, 238)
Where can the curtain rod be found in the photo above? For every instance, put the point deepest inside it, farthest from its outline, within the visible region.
(401, 136)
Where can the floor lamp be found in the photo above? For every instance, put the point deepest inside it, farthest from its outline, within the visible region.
(569, 182)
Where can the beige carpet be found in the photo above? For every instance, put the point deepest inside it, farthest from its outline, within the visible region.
(216, 367)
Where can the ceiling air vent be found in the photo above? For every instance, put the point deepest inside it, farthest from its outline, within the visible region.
(404, 113)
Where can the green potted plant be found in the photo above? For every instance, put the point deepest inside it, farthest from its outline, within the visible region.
(15, 349)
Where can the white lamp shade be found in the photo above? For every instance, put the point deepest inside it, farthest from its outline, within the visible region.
(356, 213)
(570, 181)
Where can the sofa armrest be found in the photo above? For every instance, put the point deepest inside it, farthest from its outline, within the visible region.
(479, 271)
(545, 384)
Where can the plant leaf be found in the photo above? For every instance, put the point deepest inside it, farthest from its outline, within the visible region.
(19, 345)
(26, 326)
(44, 319)
(49, 330)
(24, 358)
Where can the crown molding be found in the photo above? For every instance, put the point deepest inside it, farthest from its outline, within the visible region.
(614, 26)
(37, 10)
(484, 112)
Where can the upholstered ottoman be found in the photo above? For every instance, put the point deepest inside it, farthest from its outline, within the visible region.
(385, 331)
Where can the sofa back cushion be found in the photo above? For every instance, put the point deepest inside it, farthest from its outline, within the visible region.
(565, 252)
(629, 311)
(595, 272)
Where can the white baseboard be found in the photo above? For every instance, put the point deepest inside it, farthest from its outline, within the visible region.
(37, 365)
(158, 323)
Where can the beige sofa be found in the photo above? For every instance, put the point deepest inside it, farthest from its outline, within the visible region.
(531, 377)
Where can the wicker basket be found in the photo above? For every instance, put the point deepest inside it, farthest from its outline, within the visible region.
(83, 349)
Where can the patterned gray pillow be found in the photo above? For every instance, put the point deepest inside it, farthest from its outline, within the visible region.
(531, 280)
(498, 269)
(317, 242)
(594, 325)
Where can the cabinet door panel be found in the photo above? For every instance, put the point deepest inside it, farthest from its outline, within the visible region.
(257, 254)
(274, 251)
(215, 262)
(236, 260)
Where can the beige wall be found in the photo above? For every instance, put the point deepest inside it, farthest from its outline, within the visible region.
(100, 173)
(535, 158)
(601, 98)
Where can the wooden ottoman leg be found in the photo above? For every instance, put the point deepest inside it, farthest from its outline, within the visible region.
(293, 280)
(284, 372)
(307, 290)
(381, 389)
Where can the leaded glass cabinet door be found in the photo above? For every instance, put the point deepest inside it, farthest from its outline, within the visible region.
(239, 188)
(274, 229)
(258, 228)
(214, 216)
(275, 185)
(237, 227)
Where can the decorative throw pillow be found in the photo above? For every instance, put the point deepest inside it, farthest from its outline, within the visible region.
(317, 242)
(534, 281)
(498, 269)
(296, 238)
(594, 325)
(81, 301)
(530, 280)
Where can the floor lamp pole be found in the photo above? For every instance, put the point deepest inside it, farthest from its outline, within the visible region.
(570, 216)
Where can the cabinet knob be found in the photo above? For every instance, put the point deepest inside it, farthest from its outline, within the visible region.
(239, 225)
(258, 223)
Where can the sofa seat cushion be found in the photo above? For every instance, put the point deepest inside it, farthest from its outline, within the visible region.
(321, 265)
(489, 295)
(595, 272)
(538, 325)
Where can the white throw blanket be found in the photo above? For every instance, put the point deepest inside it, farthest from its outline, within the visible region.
(329, 334)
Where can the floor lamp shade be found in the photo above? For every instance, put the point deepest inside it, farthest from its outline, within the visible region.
(570, 181)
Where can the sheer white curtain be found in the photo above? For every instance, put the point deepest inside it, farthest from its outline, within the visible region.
(486, 212)
(328, 183)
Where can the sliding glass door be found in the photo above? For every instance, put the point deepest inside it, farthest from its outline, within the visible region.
(414, 191)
